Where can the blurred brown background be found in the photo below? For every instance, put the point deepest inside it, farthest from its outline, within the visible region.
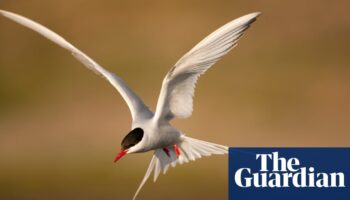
(286, 84)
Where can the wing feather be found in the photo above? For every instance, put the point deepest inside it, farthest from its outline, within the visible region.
(190, 150)
(135, 104)
(176, 95)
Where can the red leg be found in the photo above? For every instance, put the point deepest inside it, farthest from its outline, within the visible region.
(166, 150)
(177, 150)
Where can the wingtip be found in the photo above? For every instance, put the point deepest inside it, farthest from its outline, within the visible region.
(257, 14)
(248, 18)
(2, 12)
(6, 13)
(254, 15)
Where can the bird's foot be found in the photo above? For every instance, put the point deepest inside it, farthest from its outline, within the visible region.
(177, 150)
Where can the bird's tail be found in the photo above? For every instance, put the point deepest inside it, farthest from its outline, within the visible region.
(189, 149)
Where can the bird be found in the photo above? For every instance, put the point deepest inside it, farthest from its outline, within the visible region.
(152, 131)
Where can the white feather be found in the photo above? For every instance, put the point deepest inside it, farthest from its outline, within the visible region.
(148, 173)
(176, 95)
(135, 104)
(190, 149)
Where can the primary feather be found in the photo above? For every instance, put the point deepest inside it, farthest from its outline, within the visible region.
(135, 104)
(176, 96)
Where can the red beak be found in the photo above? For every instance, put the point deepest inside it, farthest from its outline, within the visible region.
(120, 155)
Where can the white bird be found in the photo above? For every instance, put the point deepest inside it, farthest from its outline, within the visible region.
(153, 131)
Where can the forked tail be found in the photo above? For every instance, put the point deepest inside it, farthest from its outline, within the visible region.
(190, 150)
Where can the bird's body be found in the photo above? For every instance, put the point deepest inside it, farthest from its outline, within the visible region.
(153, 131)
(156, 136)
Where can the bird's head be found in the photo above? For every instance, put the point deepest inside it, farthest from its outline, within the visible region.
(130, 140)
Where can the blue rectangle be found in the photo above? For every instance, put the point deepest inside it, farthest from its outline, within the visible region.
(291, 173)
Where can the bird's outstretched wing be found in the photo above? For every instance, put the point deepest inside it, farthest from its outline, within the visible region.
(135, 104)
(176, 95)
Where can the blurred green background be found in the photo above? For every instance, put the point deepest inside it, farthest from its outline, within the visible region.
(286, 84)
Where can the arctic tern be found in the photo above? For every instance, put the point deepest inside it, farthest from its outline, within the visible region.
(153, 131)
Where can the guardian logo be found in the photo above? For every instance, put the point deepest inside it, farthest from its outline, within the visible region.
(289, 173)
(286, 173)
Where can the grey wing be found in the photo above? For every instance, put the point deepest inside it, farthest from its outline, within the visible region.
(176, 96)
(135, 104)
